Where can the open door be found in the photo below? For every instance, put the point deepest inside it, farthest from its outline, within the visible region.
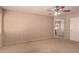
(59, 28)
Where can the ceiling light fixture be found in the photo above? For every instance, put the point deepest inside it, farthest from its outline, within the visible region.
(57, 13)
(57, 10)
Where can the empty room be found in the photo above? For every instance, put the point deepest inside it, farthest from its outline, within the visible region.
(39, 29)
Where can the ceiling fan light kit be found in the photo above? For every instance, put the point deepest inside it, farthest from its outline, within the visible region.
(58, 10)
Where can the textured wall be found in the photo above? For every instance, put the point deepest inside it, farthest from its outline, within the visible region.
(1, 15)
(67, 27)
(22, 27)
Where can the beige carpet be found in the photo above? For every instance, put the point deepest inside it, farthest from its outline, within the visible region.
(43, 46)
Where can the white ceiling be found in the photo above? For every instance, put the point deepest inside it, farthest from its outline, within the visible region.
(40, 10)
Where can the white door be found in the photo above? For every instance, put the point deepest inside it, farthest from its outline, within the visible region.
(74, 29)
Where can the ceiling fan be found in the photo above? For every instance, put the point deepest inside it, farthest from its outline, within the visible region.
(58, 10)
(62, 8)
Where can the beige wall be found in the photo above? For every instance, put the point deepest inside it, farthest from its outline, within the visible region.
(1, 26)
(67, 27)
(24, 27)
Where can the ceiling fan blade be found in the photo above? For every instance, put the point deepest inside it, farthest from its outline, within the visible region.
(57, 6)
(66, 10)
(62, 7)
